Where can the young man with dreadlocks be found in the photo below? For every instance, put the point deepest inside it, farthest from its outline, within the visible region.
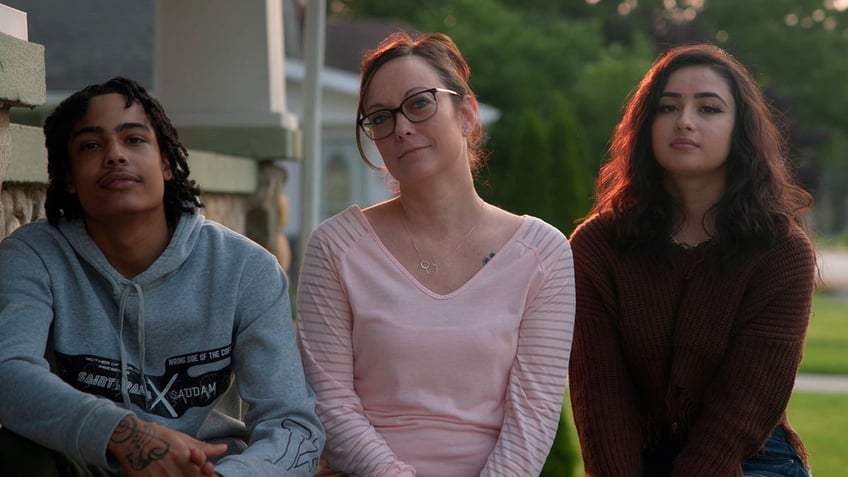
(127, 316)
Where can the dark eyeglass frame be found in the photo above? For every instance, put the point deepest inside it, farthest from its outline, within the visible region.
(365, 127)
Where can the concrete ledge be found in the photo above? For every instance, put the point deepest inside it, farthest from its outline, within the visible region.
(22, 73)
(222, 173)
(29, 157)
(215, 173)
(269, 143)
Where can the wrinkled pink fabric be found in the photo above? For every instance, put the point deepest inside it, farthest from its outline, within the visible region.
(407, 380)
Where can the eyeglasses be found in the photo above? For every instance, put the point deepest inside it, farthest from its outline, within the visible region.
(418, 107)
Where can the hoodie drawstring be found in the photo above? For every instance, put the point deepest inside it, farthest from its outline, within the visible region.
(125, 393)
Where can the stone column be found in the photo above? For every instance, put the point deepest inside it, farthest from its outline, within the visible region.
(219, 73)
(22, 84)
(218, 70)
(268, 213)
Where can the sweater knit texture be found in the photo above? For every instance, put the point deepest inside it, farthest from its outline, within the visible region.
(682, 360)
(411, 382)
(212, 313)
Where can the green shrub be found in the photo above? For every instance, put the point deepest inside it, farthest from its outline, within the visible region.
(563, 460)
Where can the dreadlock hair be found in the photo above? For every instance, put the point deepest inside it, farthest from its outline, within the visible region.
(181, 193)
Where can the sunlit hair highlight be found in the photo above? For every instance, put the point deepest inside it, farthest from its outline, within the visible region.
(761, 196)
(442, 54)
(181, 194)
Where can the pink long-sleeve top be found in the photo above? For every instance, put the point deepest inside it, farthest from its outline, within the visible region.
(411, 382)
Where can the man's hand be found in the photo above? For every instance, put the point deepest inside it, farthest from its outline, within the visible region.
(148, 449)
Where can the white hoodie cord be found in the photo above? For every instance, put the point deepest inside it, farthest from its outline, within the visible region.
(125, 394)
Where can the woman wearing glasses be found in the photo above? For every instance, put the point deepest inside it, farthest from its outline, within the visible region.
(435, 328)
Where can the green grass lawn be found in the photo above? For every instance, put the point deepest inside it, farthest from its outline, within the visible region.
(821, 420)
(827, 336)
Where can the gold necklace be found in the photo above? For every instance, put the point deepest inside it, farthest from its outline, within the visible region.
(428, 265)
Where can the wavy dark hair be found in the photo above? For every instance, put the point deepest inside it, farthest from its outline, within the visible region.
(181, 193)
(761, 198)
(442, 54)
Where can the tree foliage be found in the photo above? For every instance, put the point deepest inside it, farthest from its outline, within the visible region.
(523, 52)
(571, 165)
(520, 187)
(523, 55)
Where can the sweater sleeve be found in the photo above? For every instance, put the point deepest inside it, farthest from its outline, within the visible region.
(751, 389)
(324, 327)
(603, 397)
(286, 436)
(34, 402)
(539, 372)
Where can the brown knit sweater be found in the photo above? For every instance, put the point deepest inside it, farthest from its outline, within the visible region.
(678, 360)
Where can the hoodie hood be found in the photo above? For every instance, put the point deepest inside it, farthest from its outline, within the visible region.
(176, 253)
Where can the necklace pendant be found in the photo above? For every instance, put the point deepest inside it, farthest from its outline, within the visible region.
(427, 265)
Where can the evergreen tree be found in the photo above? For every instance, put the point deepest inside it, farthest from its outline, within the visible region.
(523, 189)
(571, 166)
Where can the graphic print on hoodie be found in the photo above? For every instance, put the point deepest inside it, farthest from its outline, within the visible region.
(190, 380)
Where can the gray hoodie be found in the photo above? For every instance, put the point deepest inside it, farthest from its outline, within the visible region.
(211, 311)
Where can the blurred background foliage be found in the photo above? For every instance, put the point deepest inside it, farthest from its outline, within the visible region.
(560, 71)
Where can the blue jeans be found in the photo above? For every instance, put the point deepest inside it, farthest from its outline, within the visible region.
(776, 459)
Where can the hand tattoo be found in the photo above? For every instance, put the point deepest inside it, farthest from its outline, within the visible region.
(142, 446)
